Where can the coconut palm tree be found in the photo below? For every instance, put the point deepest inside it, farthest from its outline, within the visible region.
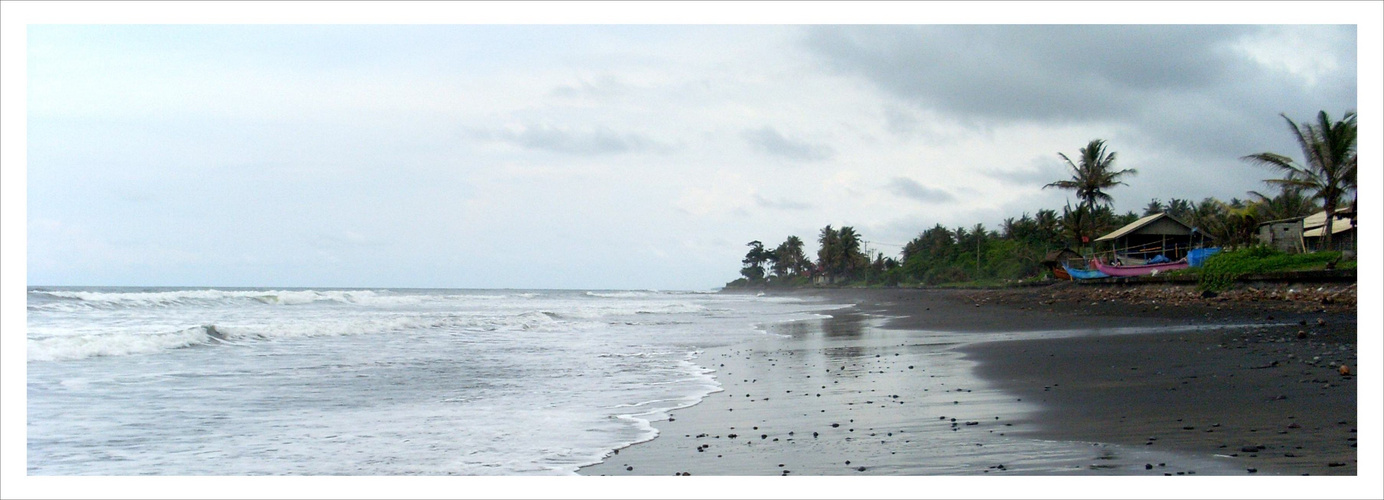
(1092, 175)
(1046, 220)
(1154, 206)
(1328, 174)
(1289, 203)
(851, 259)
(789, 259)
(830, 241)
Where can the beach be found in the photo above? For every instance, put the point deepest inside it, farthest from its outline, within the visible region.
(1054, 380)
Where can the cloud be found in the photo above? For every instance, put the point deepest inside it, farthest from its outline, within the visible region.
(910, 188)
(770, 141)
(1039, 172)
(603, 87)
(1210, 88)
(594, 141)
(1030, 72)
(781, 204)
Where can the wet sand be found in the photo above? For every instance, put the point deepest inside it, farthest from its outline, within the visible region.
(1046, 381)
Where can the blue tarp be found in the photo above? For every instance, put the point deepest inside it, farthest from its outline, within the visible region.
(1197, 257)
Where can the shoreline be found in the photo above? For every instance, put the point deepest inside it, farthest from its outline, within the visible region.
(1079, 407)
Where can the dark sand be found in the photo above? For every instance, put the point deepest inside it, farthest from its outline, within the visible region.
(1054, 380)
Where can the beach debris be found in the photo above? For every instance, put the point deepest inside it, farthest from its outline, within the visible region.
(1344, 369)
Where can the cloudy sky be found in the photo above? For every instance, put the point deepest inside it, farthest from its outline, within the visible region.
(618, 155)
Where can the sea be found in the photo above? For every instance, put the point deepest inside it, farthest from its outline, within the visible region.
(256, 381)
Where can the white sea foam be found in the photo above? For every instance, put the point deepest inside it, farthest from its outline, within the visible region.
(113, 344)
(367, 382)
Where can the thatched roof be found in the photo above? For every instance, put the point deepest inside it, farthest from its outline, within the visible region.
(1056, 256)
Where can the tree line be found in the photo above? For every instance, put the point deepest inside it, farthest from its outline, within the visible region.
(1322, 181)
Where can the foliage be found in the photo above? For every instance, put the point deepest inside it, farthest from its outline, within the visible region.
(1328, 174)
(754, 261)
(977, 256)
(1091, 176)
(788, 259)
(1221, 270)
(840, 257)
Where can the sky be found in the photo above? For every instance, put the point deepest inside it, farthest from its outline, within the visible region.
(642, 155)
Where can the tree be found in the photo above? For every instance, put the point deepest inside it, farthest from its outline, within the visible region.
(754, 261)
(789, 259)
(827, 252)
(1290, 203)
(1180, 209)
(1154, 206)
(850, 259)
(1046, 222)
(1328, 171)
(1092, 175)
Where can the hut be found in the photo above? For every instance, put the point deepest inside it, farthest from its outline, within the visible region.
(1284, 235)
(1304, 234)
(1054, 260)
(1150, 240)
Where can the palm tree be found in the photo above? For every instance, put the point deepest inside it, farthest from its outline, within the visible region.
(851, 258)
(1180, 209)
(1092, 175)
(1046, 220)
(789, 259)
(826, 255)
(1289, 203)
(1154, 206)
(1071, 222)
(1329, 172)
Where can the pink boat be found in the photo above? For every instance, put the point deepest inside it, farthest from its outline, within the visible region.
(1114, 270)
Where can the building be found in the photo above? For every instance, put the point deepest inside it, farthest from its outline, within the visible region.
(1150, 240)
(1304, 234)
(1342, 231)
(1284, 235)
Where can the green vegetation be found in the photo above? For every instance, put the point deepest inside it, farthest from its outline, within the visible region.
(1329, 171)
(1221, 270)
(1090, 178)
(980, 257)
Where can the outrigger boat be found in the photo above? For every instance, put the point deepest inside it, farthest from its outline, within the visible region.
(1139, 270)
(1083, 274)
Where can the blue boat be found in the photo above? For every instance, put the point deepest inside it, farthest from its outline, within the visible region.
(1083, 274)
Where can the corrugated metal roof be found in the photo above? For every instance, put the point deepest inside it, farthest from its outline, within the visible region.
(1336, 228)
(1134, 226)
(1319, 220)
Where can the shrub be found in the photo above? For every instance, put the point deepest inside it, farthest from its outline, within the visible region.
(1222, 270)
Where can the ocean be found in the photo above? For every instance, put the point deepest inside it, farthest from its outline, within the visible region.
(237, 381)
